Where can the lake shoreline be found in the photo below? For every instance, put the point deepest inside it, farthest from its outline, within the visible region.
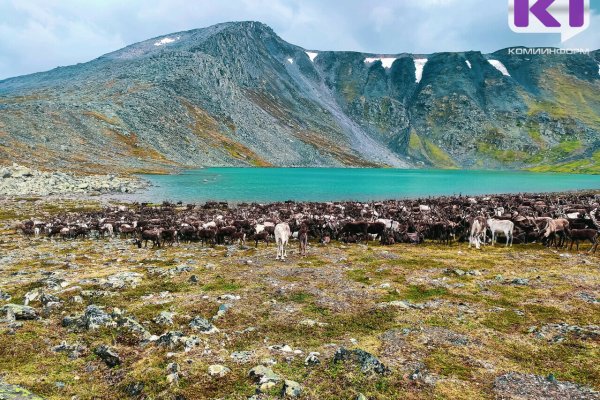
(351, 184)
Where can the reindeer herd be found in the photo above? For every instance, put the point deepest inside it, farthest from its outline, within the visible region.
(552, 220)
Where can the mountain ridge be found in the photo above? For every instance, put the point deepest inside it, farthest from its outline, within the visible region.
(236, 94)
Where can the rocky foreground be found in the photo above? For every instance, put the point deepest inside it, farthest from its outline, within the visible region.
(18, 180)
(102, 319)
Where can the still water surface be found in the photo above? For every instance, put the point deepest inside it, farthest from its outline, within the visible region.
(332, 184)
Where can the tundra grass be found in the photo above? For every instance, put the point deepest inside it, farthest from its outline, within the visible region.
(335, 297)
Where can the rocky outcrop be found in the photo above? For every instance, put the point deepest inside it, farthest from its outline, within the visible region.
(528, 386)
(18, 180)
(14, 392)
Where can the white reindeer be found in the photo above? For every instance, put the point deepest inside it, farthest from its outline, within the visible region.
(282, 236)
(390, 224)
(107, 229)
(261, 227)
(504, 226)
(208, 225)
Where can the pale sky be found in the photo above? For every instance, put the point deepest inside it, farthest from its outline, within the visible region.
(37, 35)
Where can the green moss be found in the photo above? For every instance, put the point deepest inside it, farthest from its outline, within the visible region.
(222, 285)
(358, 275)
(584, 166)
(448, 364)
(569, 361)
(557, 153)
(418, 293)
(503, 321)
(425, 149)
(438, 156)
(570, 98)
(536, 136)
(504, 156)
(300, 297)
(415, 145)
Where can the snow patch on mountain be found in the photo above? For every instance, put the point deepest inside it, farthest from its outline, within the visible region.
(166, 40)
(499, 66)
(385, 61)
(419, 67)
(312, 55)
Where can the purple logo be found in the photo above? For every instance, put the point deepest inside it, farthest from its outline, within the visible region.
(567, 17)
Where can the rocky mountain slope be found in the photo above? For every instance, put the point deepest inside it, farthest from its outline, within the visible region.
(235, 94)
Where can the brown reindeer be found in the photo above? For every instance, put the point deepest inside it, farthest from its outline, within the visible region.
(303, 239)
(262, 236)
(153, 235)
(577, 235)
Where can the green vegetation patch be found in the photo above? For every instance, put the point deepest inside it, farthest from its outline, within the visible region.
(419, 293)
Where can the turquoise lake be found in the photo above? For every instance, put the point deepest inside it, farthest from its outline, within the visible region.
(336, 184)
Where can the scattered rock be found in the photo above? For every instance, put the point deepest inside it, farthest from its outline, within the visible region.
(222, 310)
(242, 357)
(14, 392)
(588, 298)
(134, 388)
(173, 371)
(443, 337)
(261, 374)
(108, 355)
(520, 281)
(422, 375)
(203, 325)
(368, 363)
(46, 299)
(396, 303)
(176, 339)
(74, 350)
(527, 386)
(312, 359)
(123, 279)
(164, 318)
(311, 323)
(557, 333)
(218, 370)
(93, 318)
(291, 389)
(18, 180)
(228, 297)
(169, 272)
(31, 296)
(18, 312)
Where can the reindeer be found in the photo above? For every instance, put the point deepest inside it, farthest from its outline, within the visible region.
(504, 226)
(282, 236)
(239, 237)
(555, 228)
(577, 235)
(478, 232)
(153, 235)
(303, 239)
(264, 236)
(169, 236)
(126, 229)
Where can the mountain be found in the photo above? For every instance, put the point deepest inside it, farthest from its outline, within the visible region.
(236, 94)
